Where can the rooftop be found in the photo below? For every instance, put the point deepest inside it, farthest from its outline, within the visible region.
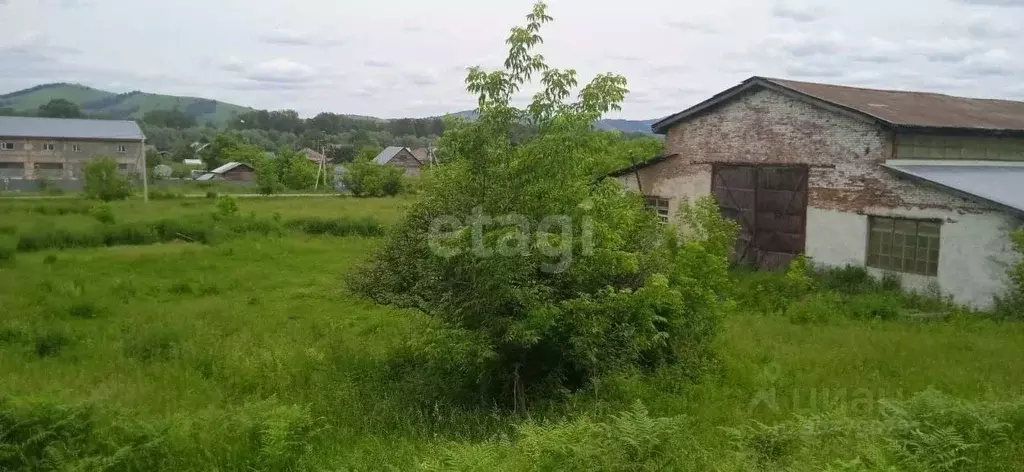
(64, 128)
(895, 108)
(995, 182)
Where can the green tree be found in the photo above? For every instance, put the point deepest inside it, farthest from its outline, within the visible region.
(222, 149)
(560, 279)
(103, 182)
(297, 172)
(175, 119)
(60, 108)
(367, 153)
(369, 179)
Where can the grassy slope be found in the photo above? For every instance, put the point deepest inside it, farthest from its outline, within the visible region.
(40, 96)
(144, 102)
(274, 325)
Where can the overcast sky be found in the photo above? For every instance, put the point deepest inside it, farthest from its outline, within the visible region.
(393, 58)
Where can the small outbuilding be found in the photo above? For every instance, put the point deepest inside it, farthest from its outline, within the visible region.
(924, 185)
(400, 157)
(234, 171)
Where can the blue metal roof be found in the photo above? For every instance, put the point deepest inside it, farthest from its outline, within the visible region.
(999, 182)
(63, 128)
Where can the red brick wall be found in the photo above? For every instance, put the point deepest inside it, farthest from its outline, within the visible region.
(763, 126)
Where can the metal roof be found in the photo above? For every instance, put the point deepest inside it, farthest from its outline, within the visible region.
(891, 107)
(226, 167)
(206, 176)
(387, 154)
(57, 128)
(314, 156)
(998, 182)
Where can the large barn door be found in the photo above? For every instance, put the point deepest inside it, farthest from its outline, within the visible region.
(770, 204)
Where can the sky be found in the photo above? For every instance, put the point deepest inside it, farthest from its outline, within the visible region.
(408, 58)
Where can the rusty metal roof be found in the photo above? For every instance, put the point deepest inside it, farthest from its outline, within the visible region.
(994, 182)
(890, 107)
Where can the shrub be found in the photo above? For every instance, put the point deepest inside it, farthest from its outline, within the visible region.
(8, 249)
(211, 194)
(227, 206)
(365, 226)
(155, 344)
(578, 279)
(103, 182)
(104, 213)
(83, 309)
(815, 308)
(631, 440)
(1011, 304)
(51, 342)
(50, 259)
(369, 179)
(159, 194)
(849, 279)
(884, 306)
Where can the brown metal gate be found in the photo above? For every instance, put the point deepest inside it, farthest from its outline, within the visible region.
(770, 204)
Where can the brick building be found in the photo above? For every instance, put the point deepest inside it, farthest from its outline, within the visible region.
(54, 148)
(924, 185)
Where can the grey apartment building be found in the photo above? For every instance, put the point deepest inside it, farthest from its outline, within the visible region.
(57, 148)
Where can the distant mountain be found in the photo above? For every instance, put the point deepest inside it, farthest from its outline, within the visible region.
(131, 105)
(626, 126)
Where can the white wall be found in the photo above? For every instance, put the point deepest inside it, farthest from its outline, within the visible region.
(974, 249)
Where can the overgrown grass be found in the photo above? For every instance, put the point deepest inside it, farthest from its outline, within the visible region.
(247, 355)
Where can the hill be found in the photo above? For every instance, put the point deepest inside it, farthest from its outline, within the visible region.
(626, 126)
(133, 105)
(125, 105)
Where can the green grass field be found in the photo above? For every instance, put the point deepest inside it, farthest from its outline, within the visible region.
(248, 354)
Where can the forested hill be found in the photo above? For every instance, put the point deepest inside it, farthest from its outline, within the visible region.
(134, 105)
(131, 105)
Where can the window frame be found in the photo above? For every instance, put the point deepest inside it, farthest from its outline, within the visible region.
(7, 145)
(49, 146)
(899, 245)
(122, 149)
(76, 148)
(656, 203)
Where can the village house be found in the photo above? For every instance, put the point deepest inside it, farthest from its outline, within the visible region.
(923, 185)
(56, 148)
(233, 171)
(405, 158)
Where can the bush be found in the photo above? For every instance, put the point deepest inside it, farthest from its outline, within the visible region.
(104, 213)
(365, 226)
(83, 309)
(631, 440)
(369, 179)
(883, 306)
(155, 344)
(158, 194)
(211, 194)
(570, 279)
(815, 308)
(8, 249)
(103, 182)
(227, 206)
(51, 342)
(1011, 304)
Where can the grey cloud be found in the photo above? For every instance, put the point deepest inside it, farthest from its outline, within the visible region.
(421, 79)
(946, 50)
(692, 26)
(798, 13)
(377, 63)
(624, 57)
(815, 70)
(289, 37)
(986, 27)
(995, 3)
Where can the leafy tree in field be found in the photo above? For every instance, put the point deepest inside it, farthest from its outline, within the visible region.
(223, 149)
(558, 279)
(369, 179)
(103, 182)
(622, 151)
(60, 108)
(297, 172)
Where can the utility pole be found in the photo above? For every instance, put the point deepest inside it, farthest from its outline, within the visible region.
(145, 177)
